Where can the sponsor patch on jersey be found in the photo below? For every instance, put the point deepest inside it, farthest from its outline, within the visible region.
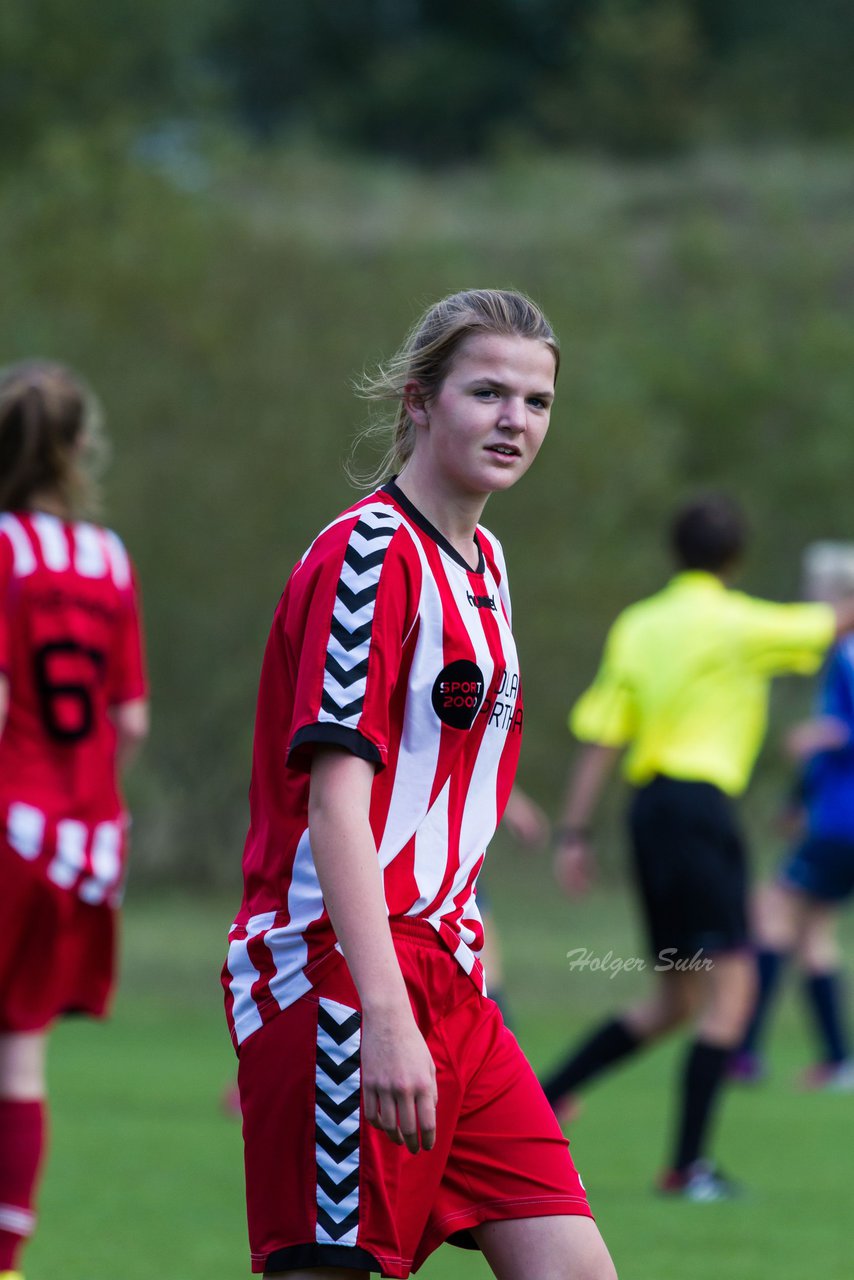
(458, 693)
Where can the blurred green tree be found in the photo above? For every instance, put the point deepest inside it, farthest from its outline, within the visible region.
(780, 68)
(429, 79)
(638, 79)
(97, 64)
(432, 80)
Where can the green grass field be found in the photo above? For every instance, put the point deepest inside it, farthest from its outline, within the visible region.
(145, 1173)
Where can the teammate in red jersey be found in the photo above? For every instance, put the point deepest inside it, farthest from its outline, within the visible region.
(72, 705)
(386, 1108)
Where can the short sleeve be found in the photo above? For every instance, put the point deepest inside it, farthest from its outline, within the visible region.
(6, 561)
(128, 679)
(606, 713)
(782, 639)
(837, 691)
(345, 617)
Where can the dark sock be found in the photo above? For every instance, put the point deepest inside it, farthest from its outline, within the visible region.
(22, 1140)
(824, 997)
(703, 1074)
(604, 1049)
(769, 965)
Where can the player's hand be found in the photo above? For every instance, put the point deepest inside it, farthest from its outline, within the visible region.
(398, 1080)
(810, 737)
(573, 863)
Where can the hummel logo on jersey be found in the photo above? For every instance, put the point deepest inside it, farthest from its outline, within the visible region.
(481, 602)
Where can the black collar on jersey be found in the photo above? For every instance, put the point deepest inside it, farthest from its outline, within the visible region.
(430, 529)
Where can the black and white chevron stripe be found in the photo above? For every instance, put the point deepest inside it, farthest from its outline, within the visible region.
(338, 1082)
(17, 1221)
(348, 650)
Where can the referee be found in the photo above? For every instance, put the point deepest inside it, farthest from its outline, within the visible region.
(683, 687)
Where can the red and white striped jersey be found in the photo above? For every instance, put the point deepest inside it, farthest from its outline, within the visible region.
(387, 644)
(70, 648)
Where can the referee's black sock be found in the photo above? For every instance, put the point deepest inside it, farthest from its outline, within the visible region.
(607, 1046)
(704, 1070)
(824, 996)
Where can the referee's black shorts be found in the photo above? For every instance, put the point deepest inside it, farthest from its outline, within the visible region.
(691, 868)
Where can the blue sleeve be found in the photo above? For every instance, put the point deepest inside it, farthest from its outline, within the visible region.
(837, 691)
(836, 698)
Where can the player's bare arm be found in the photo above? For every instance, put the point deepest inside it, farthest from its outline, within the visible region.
(525, 820)
(398, 1075)
(821, 733)
(587, 779)
(844, 611)
(132, 722)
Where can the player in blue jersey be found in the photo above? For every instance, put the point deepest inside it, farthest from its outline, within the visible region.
(797, 914)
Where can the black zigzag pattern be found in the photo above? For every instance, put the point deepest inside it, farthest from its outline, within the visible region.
(346, 670)
(337, 1117)
(337, 1071)
(346, 678)
(337, 1111)
(369, 534)
(339, 1031)
(331, 707)
(356, 600)
(337, 1150)
(361, 564)
(337, 1229)
(337, 1191)
(350, 640)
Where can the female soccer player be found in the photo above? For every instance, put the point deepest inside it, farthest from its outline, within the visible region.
(72, 705)
(385, 1106)
(797, 914)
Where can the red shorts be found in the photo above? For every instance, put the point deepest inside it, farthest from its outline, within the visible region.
(326, 1189)
(57, 953)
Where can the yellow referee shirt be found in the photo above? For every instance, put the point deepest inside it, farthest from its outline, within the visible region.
(685, 678)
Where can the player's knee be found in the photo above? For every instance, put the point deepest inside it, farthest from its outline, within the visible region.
(682, 1001)
(819, 949)
(672, 1017)
(821, 956)
(652, 1021)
